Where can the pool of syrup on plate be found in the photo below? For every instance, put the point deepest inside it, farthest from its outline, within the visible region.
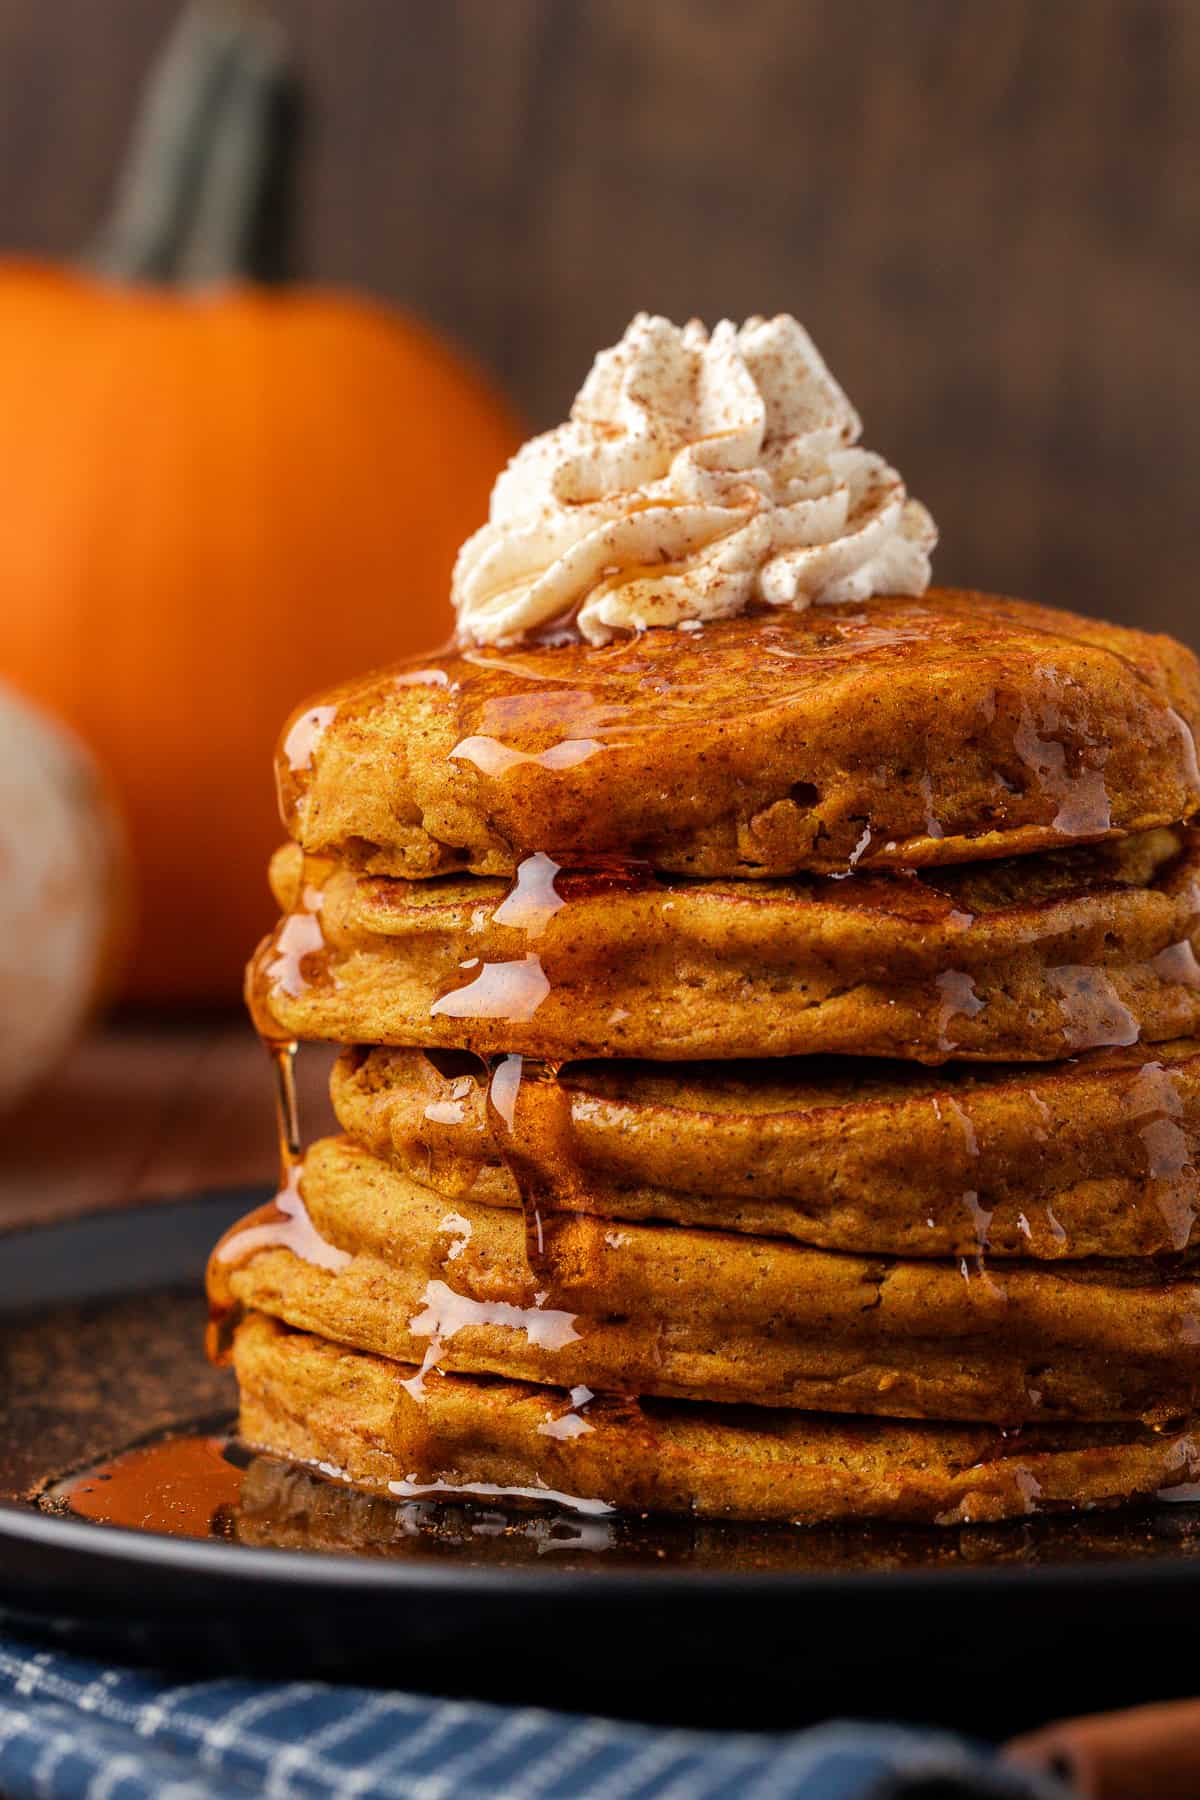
(195, 1485)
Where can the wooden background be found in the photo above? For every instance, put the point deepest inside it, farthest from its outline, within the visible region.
(985, 210)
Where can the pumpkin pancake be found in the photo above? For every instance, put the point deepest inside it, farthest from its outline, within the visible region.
(1093, 1157)
(1032, 958)
(908, 732)
(287, 1506)
(361, 1254)
(356, 1415)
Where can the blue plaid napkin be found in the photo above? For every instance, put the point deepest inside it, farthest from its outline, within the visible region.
(71, 1728)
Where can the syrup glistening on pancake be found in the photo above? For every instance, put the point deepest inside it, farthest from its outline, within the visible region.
(671, 1311)
(1038, 959)
(1093, 1157)
(491, 1438)
(899, 732)
(872, 910)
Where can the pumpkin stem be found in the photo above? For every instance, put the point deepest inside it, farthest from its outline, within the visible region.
(203, 196)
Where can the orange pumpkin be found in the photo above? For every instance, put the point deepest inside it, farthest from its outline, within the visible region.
(217, 497)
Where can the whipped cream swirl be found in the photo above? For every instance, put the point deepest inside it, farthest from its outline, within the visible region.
(699, 474)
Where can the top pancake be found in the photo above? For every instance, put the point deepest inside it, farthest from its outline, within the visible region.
(908, 732)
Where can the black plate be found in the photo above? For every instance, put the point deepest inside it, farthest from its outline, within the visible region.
(987, 1629)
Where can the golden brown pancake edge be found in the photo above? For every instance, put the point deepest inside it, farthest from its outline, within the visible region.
(321, 1404)
(1093, 1158)
(1031, 959)
(946, 728)
(681, 1313)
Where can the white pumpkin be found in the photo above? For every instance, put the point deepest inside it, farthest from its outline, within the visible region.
(61, 887)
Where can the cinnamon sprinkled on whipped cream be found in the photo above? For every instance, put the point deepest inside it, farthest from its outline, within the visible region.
(699, 475)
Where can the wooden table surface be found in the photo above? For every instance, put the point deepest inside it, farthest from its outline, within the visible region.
(143, 1110)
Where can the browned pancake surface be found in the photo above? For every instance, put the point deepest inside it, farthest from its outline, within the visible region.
(1032, 959)
(1094, 1157)
(396, 1270)
(287, 1506)
(318, 1403)
(910, 731)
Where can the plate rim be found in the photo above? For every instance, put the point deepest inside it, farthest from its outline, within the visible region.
(25, 1522)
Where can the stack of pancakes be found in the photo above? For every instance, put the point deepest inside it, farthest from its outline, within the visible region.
(773, 1072)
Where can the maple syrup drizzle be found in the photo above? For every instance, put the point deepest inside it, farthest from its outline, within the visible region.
(1081, 798)
(1057, 1231)
(299, 937)
(1177, 964)
(284, 1223)
(533, 899)
(957, 999)
(492, 757)
(1092, 1014)
(569, 1249)
(412, 1489)
(513, 988)
(302, 738)
(573, 1422)
(932, 828)
(1156, 1104)
(496, 990)
(528, 1109)
(980, 1215)
(443, 1313)
(452, 1111)
(287, 1108)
